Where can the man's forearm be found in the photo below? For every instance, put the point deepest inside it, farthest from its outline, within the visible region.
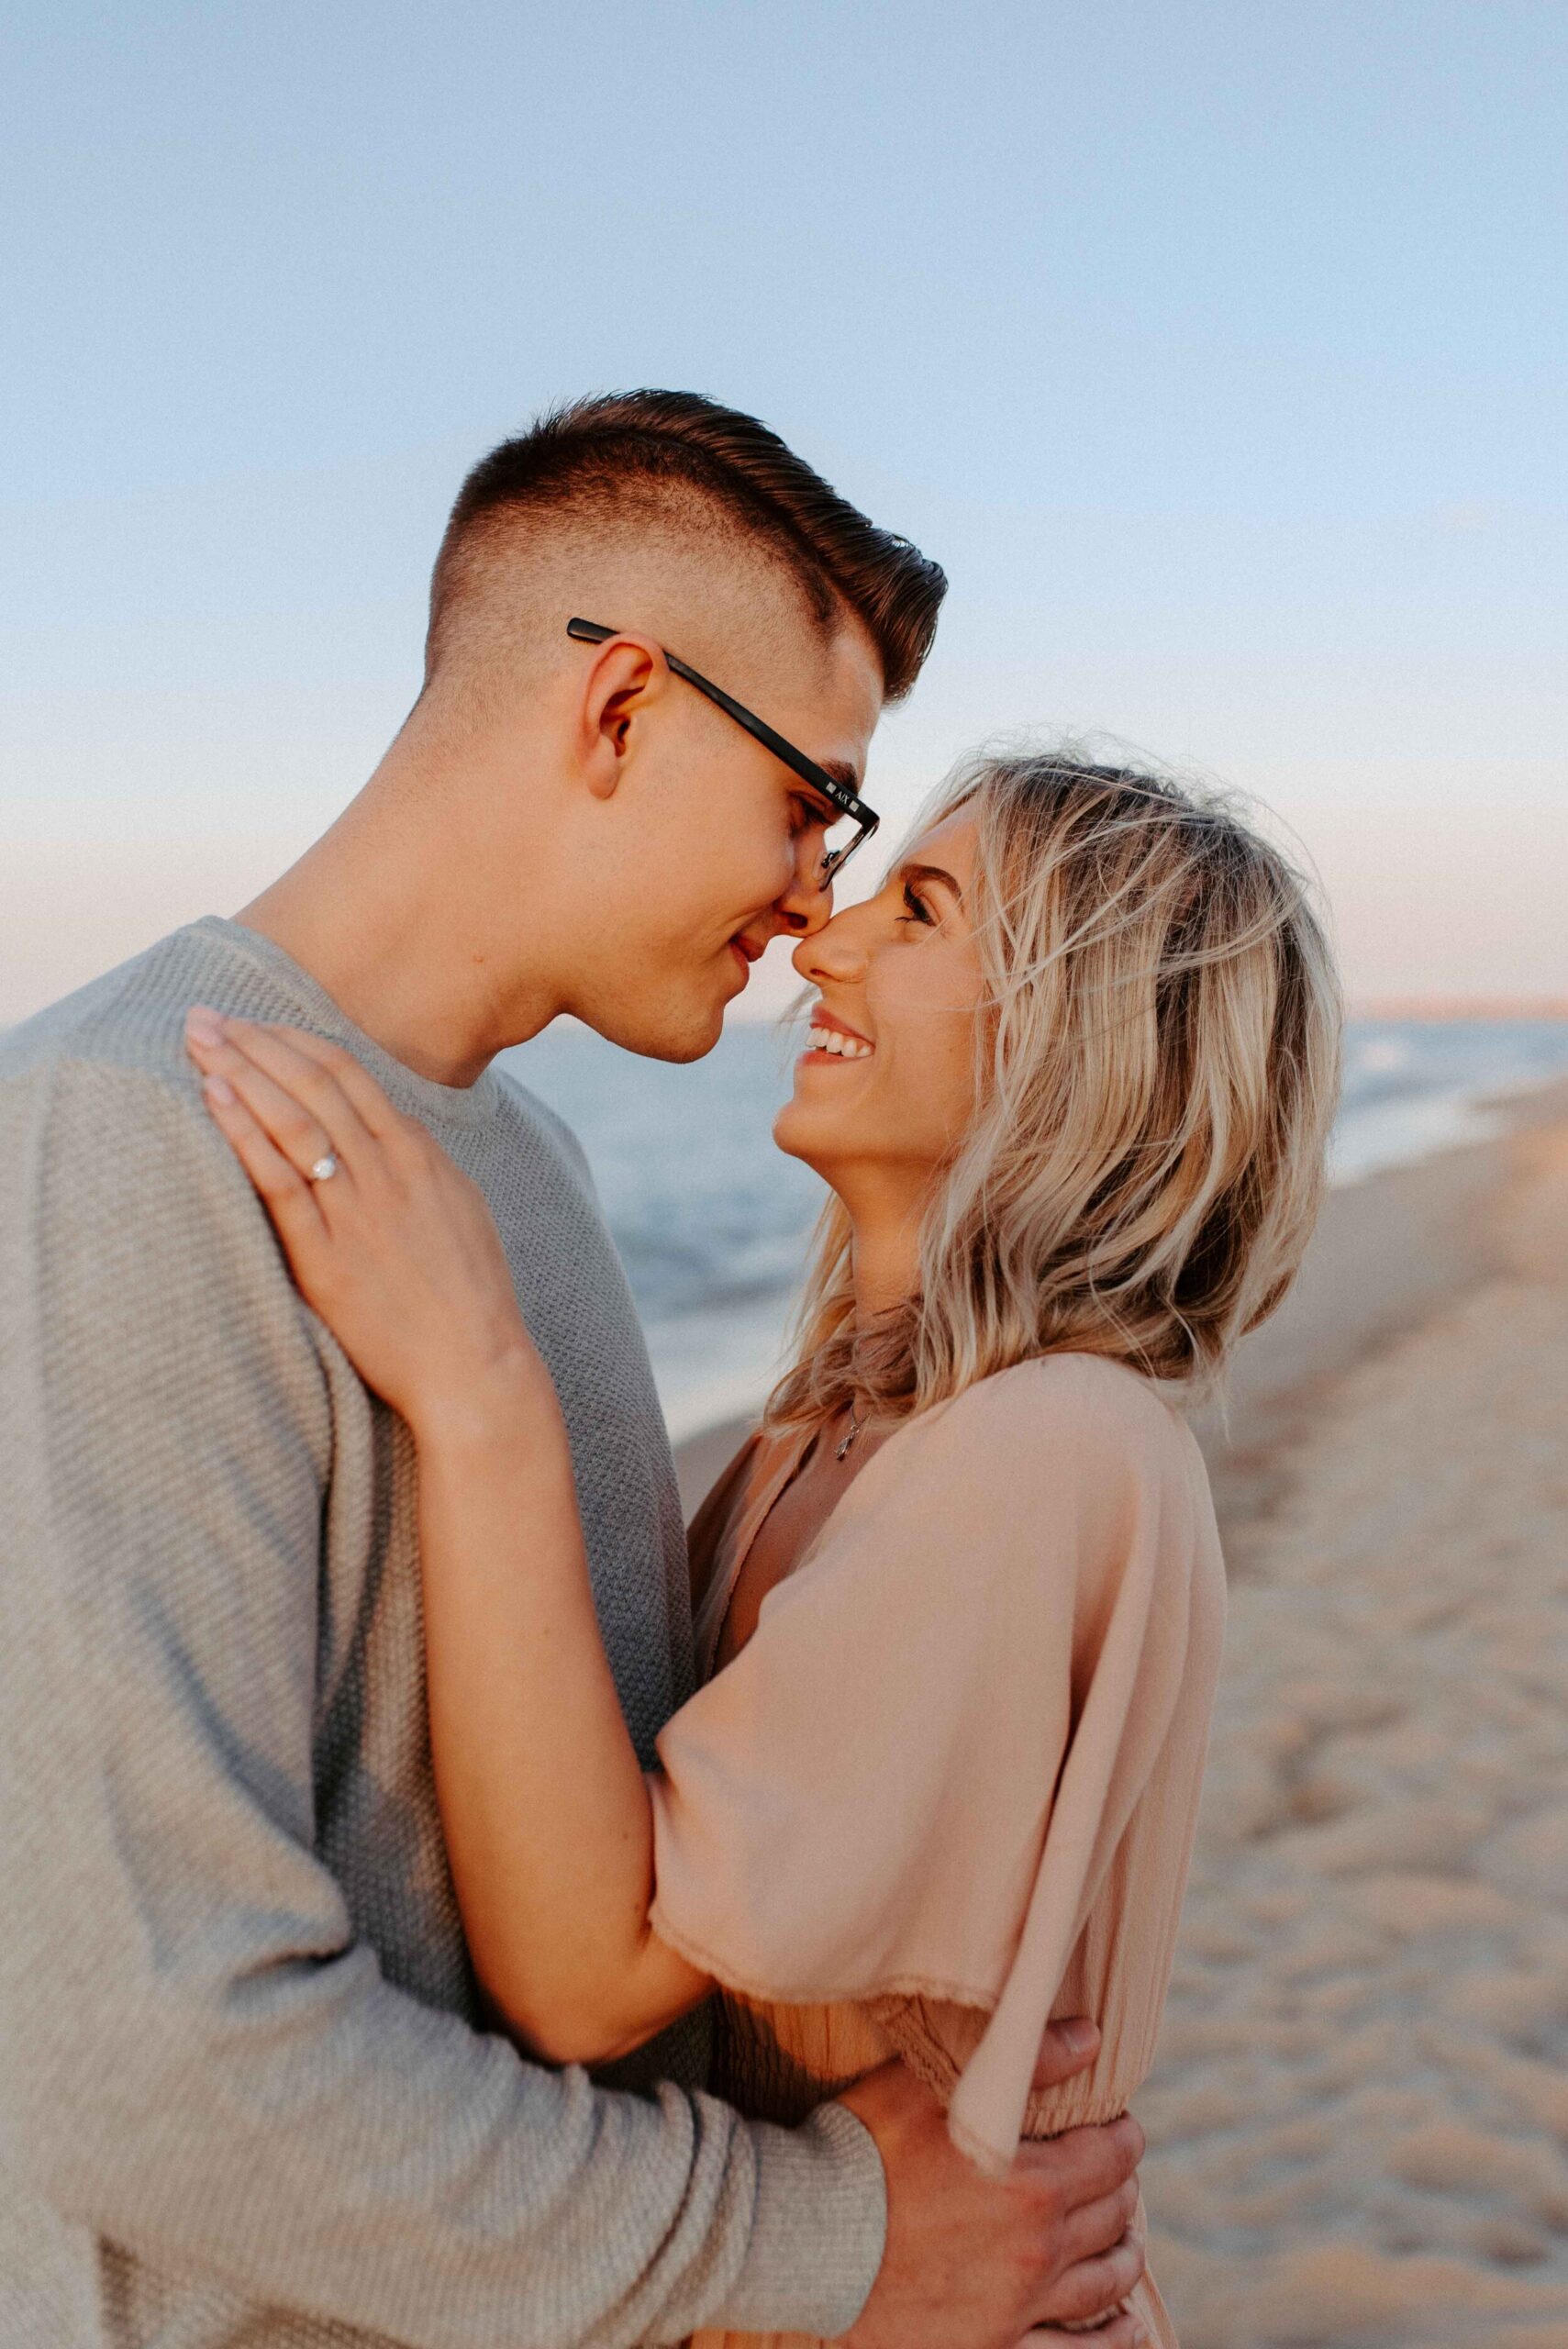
(324, 2144)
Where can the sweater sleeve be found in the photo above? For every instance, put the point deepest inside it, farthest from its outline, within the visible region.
(203, 2062)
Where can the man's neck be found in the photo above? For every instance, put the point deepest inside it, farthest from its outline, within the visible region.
(366, 915)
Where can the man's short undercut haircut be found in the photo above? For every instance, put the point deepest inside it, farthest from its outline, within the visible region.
(596, 458)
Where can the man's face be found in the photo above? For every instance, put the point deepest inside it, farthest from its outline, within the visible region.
(710, 846)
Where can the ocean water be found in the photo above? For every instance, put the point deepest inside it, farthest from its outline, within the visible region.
(712, 1220)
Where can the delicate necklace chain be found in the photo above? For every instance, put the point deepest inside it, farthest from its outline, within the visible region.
(842, 1451)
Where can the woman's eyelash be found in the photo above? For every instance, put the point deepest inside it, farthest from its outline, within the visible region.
(919, 909)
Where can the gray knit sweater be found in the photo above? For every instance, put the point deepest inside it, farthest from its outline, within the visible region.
(244, 2096)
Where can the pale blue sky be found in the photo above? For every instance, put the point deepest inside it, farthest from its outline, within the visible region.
(1218, 349)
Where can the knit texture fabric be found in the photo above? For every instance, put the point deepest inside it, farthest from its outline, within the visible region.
(244, 2095)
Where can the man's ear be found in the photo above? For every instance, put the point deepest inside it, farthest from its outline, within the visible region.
(626, 679)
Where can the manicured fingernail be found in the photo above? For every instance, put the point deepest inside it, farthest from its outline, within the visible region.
(1079, 2035)
(203, 1025)
(218, 1090)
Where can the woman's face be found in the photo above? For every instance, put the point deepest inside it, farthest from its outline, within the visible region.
(885, 1089)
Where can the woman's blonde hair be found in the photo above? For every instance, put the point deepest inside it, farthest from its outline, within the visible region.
(1158, 1068)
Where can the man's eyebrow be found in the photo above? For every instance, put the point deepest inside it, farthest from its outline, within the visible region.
(912, 872)
(842, 772)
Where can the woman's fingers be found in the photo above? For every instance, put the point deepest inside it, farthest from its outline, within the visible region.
(288, 1197)
(294, 1129)
(314, 1083)
(354, 1078)
(398, 1252)
(305, 1099)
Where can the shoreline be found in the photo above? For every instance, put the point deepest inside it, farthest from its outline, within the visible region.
(1389, 1249)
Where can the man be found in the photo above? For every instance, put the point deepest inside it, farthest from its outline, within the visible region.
(245, 2093)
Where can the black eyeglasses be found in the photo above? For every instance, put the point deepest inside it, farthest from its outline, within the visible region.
(853, 821)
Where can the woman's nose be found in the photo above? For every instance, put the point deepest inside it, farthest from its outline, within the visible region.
(835, 952)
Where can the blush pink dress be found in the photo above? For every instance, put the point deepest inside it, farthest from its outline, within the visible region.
(947, 1789)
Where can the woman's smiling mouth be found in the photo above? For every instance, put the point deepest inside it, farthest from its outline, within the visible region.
(829, 1038)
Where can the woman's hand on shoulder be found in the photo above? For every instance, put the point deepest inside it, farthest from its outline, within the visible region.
(391, 1245)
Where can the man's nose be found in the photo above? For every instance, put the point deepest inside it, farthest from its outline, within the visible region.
(806, 905)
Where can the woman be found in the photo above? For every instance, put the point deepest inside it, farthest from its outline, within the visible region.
(1069, 1076)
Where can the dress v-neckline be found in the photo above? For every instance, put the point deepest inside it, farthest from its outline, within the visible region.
(737, 1545)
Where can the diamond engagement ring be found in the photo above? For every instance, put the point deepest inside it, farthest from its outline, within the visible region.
(324, 1169)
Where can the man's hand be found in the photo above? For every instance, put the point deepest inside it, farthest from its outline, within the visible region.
(978, 2262)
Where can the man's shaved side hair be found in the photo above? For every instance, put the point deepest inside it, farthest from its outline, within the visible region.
(673, 462)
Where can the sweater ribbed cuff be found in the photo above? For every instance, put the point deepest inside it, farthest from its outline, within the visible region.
(818, 2229)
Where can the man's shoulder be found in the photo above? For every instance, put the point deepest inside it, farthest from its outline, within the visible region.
(107, 1063)
(109, 1163)
(98, 1045)
(130, 1019)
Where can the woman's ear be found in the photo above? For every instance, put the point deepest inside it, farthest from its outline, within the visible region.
(625, 681)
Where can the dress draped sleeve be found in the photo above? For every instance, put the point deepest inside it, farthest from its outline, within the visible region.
(912, 1779)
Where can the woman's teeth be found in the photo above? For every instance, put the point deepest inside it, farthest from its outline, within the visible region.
(848, 1048)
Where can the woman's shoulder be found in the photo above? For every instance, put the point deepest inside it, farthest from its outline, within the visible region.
(1080, 1404)
(1064, 1457)
(1067, 1474)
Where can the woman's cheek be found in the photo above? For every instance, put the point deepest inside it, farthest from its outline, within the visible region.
(958, 1079)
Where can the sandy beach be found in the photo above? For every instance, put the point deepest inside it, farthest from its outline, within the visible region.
(1359, 2120)
(1358, 2117)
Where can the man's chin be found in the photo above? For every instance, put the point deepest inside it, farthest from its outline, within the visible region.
(669, 1027)
(697, 1048)
(688, 1036)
